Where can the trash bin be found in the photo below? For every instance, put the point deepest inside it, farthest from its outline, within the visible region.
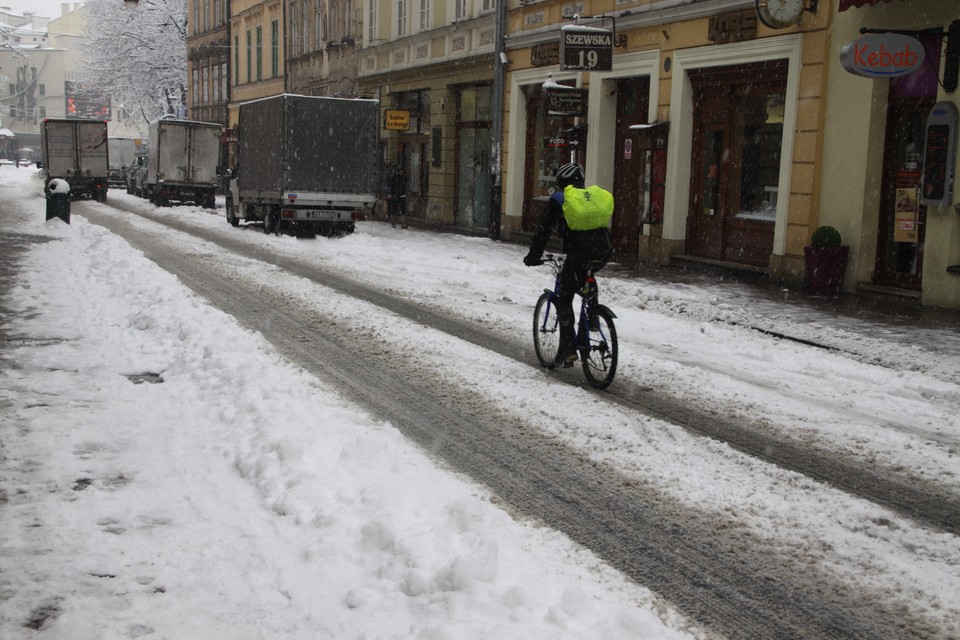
(58, 200)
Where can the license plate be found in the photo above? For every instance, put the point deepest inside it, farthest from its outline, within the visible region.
(320, 215)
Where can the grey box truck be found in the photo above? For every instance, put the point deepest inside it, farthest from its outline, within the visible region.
(305, 164)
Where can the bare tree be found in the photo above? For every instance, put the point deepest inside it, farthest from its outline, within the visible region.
(138, 56)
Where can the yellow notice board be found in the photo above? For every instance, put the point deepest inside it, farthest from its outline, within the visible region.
(396, 120)
(905, 218)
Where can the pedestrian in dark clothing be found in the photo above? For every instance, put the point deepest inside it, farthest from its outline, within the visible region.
(582, 216)
(397, 196)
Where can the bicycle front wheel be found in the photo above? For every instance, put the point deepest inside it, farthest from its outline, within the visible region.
(599, 357)
(546, 330)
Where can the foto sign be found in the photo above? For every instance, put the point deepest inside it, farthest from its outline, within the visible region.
(882, 55)
(586, 49)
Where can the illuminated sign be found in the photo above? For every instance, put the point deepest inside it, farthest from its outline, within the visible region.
(83, 103)
(882, 55)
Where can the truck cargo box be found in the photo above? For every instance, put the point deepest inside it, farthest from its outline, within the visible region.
(183, 152)
(75, 150)
(296, 144)
(182, 164)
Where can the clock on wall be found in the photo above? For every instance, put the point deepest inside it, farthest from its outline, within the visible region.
(778, 14)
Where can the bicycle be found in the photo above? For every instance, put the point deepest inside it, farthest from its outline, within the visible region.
(596, 333)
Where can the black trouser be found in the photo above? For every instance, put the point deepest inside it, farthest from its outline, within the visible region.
(580, 261)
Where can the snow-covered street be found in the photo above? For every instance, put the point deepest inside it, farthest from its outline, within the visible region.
(164, 473)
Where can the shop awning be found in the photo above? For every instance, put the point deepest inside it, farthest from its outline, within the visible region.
(846, 4)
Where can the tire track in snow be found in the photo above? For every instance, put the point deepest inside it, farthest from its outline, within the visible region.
(734, 583)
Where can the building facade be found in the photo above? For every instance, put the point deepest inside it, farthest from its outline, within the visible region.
(44, 80)
(430, 63)
(322, 43)
(258, 51)
(208, 60)
(874, 151)
(724, 139)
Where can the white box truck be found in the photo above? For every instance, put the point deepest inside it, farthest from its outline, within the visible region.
(182, 164)
(75, 151)
(305, 164)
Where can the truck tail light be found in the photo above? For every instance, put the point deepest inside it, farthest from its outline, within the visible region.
(358, 215)
(288, 213)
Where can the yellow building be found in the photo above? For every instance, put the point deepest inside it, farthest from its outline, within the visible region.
(257, 50)
(694, 128)
(874, 151)
(728, 139)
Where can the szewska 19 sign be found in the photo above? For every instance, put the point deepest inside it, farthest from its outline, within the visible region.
(586, 48)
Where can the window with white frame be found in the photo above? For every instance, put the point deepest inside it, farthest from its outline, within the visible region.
(459, 9)
(488, 5)
(401, 18)
(424, 15)
(371, 21)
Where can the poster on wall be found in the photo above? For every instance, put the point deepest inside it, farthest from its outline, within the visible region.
(905, 215)
(84, 103)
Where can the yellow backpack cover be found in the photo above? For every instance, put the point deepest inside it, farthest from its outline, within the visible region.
(586, 209)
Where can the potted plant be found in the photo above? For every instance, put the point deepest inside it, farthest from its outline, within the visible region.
(825, 261)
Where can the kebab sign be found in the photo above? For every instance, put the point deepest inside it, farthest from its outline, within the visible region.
(882, 55)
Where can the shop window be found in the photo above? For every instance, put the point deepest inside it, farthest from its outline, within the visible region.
(759, 125)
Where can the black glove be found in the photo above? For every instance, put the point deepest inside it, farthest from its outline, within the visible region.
(532, 259)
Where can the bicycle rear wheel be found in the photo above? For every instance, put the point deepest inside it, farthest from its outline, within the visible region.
(599, 358)
(546, 330)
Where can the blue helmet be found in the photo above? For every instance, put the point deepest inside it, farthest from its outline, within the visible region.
(570, 174)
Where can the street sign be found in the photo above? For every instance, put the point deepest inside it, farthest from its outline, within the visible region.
(565, 101)
(586, 48)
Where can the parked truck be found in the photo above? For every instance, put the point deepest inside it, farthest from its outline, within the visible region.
(182, 164)
(305, 164)
(121, 154)
(75, 151)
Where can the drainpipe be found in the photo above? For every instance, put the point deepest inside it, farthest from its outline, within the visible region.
(499, 82)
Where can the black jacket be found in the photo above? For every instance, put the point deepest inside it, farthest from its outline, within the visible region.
(595, 243)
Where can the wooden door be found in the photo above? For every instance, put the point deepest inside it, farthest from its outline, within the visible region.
(709, 177)
(631, 170)
(900, 237)
(738, 131)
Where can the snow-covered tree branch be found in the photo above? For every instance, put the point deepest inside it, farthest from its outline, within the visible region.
(138, 56)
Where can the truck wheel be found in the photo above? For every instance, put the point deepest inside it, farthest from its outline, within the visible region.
(231, 214)
(269, 221)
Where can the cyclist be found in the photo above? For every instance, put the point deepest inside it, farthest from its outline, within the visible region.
(582, 216)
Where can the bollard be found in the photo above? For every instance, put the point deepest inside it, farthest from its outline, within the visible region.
(58, 200)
